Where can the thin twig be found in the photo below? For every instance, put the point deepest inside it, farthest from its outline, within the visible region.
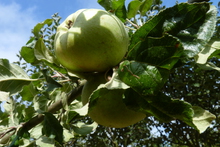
(133, 24)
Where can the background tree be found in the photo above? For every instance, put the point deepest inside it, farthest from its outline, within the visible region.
(41, 101)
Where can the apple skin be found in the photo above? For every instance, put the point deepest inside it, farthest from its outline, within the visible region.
(109, 110)
(91, 40)
(93, 81)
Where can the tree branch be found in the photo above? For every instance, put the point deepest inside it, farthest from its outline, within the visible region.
(52, 109)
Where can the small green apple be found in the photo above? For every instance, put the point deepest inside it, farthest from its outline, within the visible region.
(109, 108)
(91, 40)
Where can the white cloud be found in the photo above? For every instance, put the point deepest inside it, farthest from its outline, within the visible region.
(15, 29)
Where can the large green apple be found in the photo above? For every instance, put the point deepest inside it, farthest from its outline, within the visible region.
(91, 40)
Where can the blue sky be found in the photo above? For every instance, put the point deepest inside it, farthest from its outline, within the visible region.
(18, 17)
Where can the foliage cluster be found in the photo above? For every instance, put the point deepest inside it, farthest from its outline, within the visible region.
(171, 71)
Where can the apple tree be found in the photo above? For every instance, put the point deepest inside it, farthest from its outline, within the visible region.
(46, 102)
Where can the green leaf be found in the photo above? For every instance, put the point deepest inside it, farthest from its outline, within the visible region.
(52, 128)
(28, 54)
(192, 25)
(16, 139)
(28, 112)
(162, 51)
(145, 6)
(115, 6)
(143, 78)
(107, 4)
(42, 52)
(196, 37)
(40, 103)
(136, 102)
(202, 119)
(167, 20)
(12, 77)
(51, 83)
(121, 12)
(133, 8)
(160, 106)
(28, 93)
(84, 129)
(39, 26)
(175, 108)
(27, 51)
(164, 108)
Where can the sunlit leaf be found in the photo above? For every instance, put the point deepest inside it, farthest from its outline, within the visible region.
(36, 132)
(215, 45)
(202, 119)
(212, 49)
(12, 77)
(67, 135)
(4, 96)
(84, 129)
(82, 111)
(208, 50)
(39, 26)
